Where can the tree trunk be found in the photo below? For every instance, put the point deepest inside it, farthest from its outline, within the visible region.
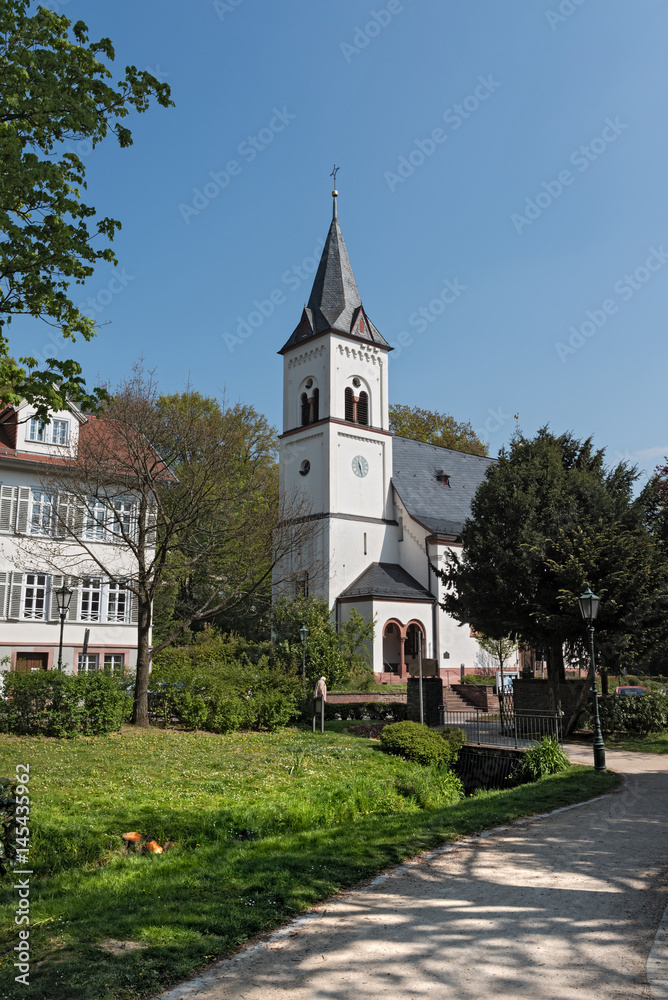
(556, 673)
(140, 713)
(604, 680)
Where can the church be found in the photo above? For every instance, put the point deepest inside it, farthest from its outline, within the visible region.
(387, 508)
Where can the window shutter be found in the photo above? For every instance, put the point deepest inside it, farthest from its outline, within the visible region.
(316, 405)
(7, 507)
(23, 509)
(15, 596)
(73, 612)
(363, 409)
(4, 581)
(349, 405)
(134, 609)
(56, 582)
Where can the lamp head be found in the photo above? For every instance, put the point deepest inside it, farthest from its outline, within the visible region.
(63, 597)
(589, 603)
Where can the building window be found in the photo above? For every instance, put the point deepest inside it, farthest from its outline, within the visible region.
(117, 603)
(305, 409)
(96, 516)
(34, 597)
(87, 662)
(114, 661)
(35, 430)
(316, 405)
(349, 405)
(42, 518)
(91, 600)
(301, 586)
(122, 523)
(56, 432)
(103, 601)
(363, 409)
(60, 431)
(356, 407)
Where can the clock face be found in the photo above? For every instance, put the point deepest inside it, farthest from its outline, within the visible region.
(360, 466)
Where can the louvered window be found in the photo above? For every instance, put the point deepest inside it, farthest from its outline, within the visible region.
(305, 409)
(349, 405)
(316, 405)
(14, 509)
(363, 409)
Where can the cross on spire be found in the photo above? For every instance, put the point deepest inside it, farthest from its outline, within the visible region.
(335, 193)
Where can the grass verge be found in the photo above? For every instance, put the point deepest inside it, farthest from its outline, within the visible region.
(265, 826)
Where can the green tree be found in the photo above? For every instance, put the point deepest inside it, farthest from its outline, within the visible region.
(54, 90)
(435, 428)
(336, 655)
(549, 519)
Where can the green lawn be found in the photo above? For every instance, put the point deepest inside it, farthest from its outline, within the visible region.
(264, 826)
(653, 743)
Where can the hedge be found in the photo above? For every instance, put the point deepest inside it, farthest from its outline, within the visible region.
(50, 703)
(637, 714)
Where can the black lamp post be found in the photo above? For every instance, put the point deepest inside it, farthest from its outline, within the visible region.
(63, 597)
(589, 608)
(303, 635)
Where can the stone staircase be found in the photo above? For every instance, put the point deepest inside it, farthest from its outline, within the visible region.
(454, 702)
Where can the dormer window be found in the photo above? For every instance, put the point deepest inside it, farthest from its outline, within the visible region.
(55, 432)
(443, 477)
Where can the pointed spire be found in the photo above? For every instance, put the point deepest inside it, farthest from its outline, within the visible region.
(334, 302)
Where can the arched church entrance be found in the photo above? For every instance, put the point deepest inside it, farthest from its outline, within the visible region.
(393, 642)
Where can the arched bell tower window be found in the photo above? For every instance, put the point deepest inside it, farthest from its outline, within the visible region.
(309, 403)
(363, 409)
(356, 407)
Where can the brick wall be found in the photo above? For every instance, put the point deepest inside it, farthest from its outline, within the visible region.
(357, 697)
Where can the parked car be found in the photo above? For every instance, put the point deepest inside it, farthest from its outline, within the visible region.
(633, 689)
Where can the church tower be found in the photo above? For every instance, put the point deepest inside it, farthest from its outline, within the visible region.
(336, 446)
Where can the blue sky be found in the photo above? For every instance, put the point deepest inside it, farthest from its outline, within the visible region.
(516, 150)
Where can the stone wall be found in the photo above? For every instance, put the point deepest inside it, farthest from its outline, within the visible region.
(357, 697)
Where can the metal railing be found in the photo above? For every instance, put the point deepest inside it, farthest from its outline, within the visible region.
(510, 729)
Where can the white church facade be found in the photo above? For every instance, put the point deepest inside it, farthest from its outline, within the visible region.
(387, 508)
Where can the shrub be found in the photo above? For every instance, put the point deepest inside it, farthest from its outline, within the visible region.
(636, 714)
(192, 709)
(7, 823)
(275, 709)
(226, 715)
(50, 703)
(416, 742)
(455, 738)
(479, 679)
(547, 757)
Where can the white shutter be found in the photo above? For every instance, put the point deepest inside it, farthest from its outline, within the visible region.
(134, 609)
(73, 612)
(4, 586)
(23, 509)
(55, 582)
(8, 497)
(15, 596)
(151, 521)
(63, 515)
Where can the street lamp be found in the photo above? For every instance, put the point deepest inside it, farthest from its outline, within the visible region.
(303, 635)
(63, 597)
(589, 609)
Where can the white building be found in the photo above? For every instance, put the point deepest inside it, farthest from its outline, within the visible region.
(36, 520)
(389, 507)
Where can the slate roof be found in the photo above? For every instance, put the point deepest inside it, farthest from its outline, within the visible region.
(387, 580)
(335, 303)
(441, 509)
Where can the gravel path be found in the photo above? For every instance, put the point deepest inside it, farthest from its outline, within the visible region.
(563, 906)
